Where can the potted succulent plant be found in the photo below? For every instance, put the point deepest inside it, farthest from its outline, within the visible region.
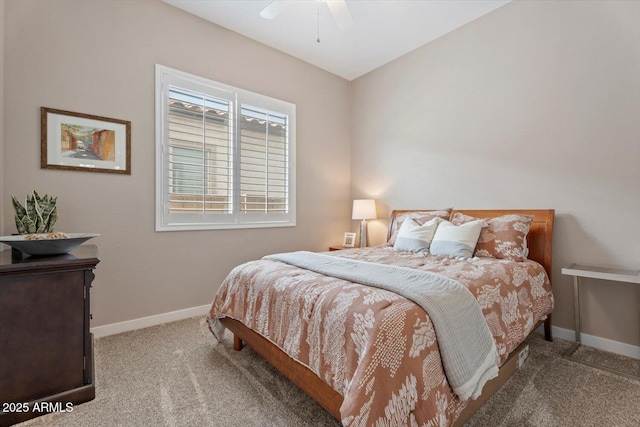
(35, 222)
(39, 215)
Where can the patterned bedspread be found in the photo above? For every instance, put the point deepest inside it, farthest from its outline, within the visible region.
(376, 348)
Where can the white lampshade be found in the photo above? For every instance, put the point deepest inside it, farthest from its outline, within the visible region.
(364, 209)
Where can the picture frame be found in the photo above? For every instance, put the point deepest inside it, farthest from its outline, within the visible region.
(349, 240)
(83, 142)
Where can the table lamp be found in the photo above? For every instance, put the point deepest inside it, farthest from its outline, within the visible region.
(364, 210)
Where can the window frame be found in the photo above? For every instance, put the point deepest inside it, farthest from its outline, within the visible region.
(166, 221)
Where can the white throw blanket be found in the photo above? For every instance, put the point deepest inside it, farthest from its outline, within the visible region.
(467, 348)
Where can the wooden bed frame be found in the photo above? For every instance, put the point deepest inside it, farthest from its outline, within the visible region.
(539, 244)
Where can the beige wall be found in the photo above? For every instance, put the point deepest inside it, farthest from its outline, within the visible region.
(533, 106)
(98, 57)
(536, 105)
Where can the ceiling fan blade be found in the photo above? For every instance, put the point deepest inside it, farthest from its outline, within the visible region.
(341, 13)
(273, 9)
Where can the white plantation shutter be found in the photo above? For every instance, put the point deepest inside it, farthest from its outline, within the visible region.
(200, 153)
(225, 157)
(263, 161)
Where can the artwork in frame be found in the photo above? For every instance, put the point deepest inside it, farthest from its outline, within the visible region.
(82, 142)
(349, 240)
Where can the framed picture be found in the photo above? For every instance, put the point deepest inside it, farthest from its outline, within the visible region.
(82, 142)
(349, 240)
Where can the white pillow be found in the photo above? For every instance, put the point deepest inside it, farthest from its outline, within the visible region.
(456, 240)
(414, 237)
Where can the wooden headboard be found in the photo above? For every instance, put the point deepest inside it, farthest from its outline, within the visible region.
(538, 239)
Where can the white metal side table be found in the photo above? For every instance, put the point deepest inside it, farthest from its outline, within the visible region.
(579, 271)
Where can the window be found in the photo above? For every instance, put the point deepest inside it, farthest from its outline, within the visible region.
(225, 157)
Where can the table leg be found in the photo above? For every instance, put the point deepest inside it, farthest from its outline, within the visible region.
(576, 306)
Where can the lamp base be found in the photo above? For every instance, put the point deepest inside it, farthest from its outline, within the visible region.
(364, 241)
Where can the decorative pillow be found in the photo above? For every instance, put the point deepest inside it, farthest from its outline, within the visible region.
(414, 237)
(505, 237)
(456, 241)
(419, 216)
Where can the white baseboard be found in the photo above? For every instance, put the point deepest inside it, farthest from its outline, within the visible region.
(145, 322)
(596, 342)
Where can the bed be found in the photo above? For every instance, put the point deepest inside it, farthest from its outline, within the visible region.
(370, 356)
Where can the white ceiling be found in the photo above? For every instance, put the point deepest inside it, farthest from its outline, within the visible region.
(384, 29)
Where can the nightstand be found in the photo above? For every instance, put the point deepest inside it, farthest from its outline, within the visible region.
(337, 248)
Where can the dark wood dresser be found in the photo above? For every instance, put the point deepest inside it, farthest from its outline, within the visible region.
(46, 349)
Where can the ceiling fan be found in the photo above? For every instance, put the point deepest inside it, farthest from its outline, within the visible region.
(338, 8)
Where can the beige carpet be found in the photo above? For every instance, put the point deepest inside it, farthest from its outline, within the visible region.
(176, 375)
